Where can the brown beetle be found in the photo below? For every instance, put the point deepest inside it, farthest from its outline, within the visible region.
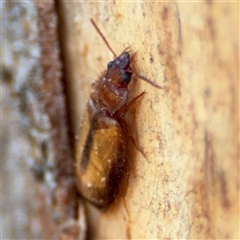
(101, 150)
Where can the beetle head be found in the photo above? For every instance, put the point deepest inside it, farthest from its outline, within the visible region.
(120, 69)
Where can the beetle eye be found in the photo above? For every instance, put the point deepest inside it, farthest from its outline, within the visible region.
(110, 64)
(126, 78)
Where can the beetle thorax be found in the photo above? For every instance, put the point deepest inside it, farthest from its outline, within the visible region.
(109, 96)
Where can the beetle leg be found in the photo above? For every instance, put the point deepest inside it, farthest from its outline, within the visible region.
(122, 111)
(131, 138)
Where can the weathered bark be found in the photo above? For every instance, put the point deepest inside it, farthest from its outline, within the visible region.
(190, 186)
(35, 127)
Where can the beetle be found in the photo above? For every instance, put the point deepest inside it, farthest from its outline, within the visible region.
(101, 149)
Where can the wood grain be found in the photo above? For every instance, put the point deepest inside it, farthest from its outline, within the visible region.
(189, 186)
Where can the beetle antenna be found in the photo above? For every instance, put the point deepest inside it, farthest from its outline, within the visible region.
(103, 38)
(145, 79)
(133, 56)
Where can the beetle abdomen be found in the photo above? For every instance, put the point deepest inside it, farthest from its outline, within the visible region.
(100, 161)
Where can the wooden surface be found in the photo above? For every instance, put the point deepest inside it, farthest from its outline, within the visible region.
(189, 186)
(39, 199)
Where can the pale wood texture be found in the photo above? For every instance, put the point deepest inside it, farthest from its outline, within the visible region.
(189, 188)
